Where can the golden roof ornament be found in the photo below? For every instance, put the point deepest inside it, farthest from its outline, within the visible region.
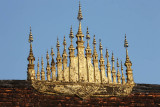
(47, 57)
(117, 63)
(87, 34)
(30, 40)
(101, 48)
(58, 52)
(125, 42)
(113, 70)
(126, 46)
(30, 36)
(38, 64)
(58, 45)
(94, 47)
(71, 34)
(88, 38)
(42, 63)
(112, 57)
(107, 54)
(64, 41)
(82, 75)
(123, 77)
(52, 53)
(122, 67)
(100, 45)
(79, 17)
(38, 73)
(42, 70)
(64, 51)
(118, 73)
(108, 68)
(94, 40)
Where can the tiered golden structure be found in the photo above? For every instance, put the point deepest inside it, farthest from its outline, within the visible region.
(82, 77)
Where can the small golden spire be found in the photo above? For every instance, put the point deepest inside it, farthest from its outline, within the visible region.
(30, 36)
(71, 36)
(58, 45)
(87, 34)
(122, 67)
(108, 68)
(128, 65)
(100, 45)
(100, 48)
(30, 40)
(31, 57)
(94, 40)
(79, 17)
(38, 73)
(94, 46)
(64, 43)
(88, 38)
(112, 57)
(42, 63)
(113, 70)
(107, 54)
(64, 51)
(58, 52)
(118, 73)
(42, 70)
(125, 42)
(47, 57)
(71, 33)
(126, 46)
(79, 30)
(123, 77)
(117, 64)
(52, 53)
(38, 64)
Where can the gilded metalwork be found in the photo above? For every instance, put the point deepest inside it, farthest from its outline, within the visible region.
(85, 76)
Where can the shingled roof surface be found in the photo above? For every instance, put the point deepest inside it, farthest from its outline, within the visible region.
(15, 93)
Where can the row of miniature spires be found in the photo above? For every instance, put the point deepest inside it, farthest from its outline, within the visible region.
(51, 74)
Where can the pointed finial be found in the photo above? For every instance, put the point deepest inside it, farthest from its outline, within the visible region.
(58, 45)
(64, 41)
(42, 63)
(94, 40)
(121, 67)
(38, 63)
(47, 56)
(117, 63)
(107, 54)
(71, 33)
(30, 36)
(52, 53)
(79, 17)
(112, 57)
(125, 42)
(87, 34)
(30, 30)
(100, 45)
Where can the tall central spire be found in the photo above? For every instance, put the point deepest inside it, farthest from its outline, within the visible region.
(79, 17)
(31, 59)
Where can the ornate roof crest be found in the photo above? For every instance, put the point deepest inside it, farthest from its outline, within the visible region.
(82, 77)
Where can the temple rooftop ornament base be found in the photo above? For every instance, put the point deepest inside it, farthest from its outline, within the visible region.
(82, 77)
